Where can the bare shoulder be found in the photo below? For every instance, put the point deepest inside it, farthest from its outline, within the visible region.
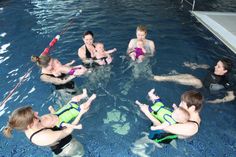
(150, 42)
(81, 51)
(132, 40)
(45, 138)
(132, 43)
(81, 48)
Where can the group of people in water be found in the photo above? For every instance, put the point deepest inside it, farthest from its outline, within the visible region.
(54, 129)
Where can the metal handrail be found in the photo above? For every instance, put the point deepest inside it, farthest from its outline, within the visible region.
(192, 4)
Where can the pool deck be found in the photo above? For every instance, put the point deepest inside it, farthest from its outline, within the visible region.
(222, 25)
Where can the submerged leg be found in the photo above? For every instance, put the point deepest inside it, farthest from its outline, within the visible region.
(184, 79)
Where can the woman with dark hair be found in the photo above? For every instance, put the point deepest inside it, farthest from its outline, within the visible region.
(191, 101)
(218, 80)
(134, 50)
(87, 51)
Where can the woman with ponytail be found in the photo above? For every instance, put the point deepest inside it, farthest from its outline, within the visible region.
(59, 140)
(52, 71)
(19, 120)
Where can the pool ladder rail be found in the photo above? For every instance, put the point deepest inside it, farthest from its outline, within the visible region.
(190, 3)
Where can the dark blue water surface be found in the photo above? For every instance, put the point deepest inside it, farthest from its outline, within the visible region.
(114, 126)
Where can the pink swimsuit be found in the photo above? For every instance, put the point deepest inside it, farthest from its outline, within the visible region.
(138, 52)
(72, 71)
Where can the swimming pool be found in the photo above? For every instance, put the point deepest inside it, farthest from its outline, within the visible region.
(114, 126)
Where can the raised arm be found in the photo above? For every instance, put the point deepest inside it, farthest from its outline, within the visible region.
(110, 51)
(70, 63)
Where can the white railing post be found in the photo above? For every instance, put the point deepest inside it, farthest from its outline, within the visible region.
(192, 4)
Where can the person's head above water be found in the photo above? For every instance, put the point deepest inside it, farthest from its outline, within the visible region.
(99, 47)
(223, 66)
(192, 101)
(140, 44)
(42, 60)
(49, 120)
(141, 32)
(20, 119)
(46, 62)
(88, 38)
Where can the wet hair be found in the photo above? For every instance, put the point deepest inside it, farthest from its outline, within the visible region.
(88, 33)
(193, 98)
(227, 63)
(142, 28)
(42, 61)
(19, 119)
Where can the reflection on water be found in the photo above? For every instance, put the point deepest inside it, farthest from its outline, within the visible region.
(27, 26)
(117, 121)
(4, 50)
(52, 15)
(139, 71)
(142, 148)
(98, 77)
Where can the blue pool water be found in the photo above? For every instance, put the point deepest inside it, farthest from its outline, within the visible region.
(114, 126)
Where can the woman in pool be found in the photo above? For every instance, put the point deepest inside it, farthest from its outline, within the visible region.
(218, 80)
(59, 140)
(164, 114)
(52, 71)
(138, 52)
(87, 51)
(191, 101)
(141, 33)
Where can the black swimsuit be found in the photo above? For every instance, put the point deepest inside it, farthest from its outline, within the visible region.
(88, 56)
(87, 52)
(194, 122)
(215, 82)
(68, 85)
(58, 148)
